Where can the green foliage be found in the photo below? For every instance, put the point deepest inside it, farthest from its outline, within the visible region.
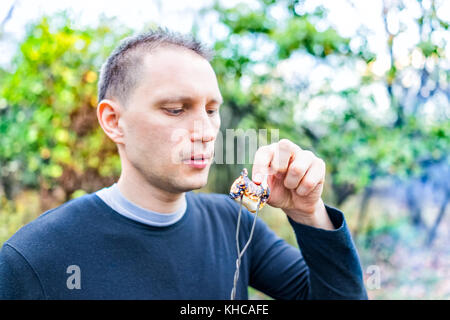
(357, 147)
(15, 214)
(301, 33)
(48, 123)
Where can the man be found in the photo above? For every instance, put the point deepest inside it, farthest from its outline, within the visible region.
(149, 236)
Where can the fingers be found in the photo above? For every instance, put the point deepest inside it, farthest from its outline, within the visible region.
(284, 151)
(303, 170)
(272, 159)
(314, 177)
(298, 168)
(261, 163)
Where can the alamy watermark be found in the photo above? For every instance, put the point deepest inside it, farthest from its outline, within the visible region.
(235, 146)
(74, 280)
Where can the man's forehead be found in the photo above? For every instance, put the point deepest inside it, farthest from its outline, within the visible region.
(166, 69)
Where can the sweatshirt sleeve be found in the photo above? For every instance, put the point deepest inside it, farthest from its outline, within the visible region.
(18, 281)
(326, 267)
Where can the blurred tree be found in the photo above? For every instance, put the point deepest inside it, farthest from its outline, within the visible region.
(359, 145)
(413, 87)
(49, 132)
(247, 60)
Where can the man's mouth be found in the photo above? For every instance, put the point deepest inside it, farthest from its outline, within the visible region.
(198, 161)
(200, 157)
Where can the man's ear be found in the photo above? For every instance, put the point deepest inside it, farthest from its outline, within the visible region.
(108, 115)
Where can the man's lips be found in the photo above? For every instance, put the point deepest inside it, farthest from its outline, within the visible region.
(198, 156)
(198, 161)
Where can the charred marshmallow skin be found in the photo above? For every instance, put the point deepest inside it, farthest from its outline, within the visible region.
(250, 192)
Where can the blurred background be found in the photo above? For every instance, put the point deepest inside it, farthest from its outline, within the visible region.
(363, 84)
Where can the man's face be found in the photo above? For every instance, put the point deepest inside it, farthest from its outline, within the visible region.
(171, 120)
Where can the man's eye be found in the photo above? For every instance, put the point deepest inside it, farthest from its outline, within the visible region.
(212, 111)
(174, 111)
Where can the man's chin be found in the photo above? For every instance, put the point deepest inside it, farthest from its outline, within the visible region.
(185, 184)
(194, 185)
(188, 187)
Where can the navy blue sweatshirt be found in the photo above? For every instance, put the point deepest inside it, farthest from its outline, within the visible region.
(114, 257)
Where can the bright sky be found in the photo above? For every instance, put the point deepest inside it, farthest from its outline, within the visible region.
(175, 14)
(179, 14)
(346, 16)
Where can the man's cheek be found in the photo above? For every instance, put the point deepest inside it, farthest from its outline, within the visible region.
(175, 145)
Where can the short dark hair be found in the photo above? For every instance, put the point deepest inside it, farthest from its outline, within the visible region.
(120, 73)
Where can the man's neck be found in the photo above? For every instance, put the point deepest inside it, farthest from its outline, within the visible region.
(148, 196)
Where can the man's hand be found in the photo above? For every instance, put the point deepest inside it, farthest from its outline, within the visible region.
(296, 178)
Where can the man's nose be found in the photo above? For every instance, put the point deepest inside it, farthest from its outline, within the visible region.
(203, 135)
(203, 130)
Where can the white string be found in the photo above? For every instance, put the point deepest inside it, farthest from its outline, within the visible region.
(241, 253)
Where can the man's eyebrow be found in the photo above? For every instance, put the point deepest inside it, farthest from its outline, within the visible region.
(178, 99)
(175, 99)
(218, 101)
